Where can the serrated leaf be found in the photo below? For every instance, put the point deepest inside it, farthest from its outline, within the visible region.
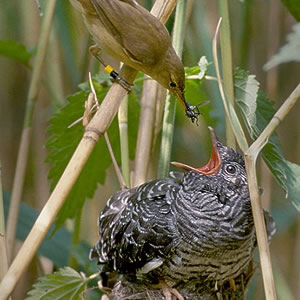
(286, 173)
(66, 284)
(63, 142)
(15, 51)
(289, 52)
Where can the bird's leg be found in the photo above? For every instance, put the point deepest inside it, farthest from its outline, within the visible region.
(168, 291)
(95, 50)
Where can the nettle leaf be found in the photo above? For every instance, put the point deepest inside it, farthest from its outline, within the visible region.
(15, 51)
(286, 173)
(289, 52)
(65, 284)
(63, 142)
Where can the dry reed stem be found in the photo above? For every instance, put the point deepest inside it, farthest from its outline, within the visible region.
(27, 128)
(124, 146)
(145, 134)
(17, 190)
(227, 70)
(97, 126)
(242, 141)
(3, 252)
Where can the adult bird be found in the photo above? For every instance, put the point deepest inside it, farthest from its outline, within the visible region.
(132, 35)
(193, 232)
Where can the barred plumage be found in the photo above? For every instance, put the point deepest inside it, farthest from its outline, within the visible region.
(192, 228)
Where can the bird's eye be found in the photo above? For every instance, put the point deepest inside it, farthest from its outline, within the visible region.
(172, 84)
(231, 169)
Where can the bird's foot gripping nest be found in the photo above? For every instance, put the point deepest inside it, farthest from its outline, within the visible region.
(145, 291)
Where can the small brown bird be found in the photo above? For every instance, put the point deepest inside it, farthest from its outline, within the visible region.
(130, 33)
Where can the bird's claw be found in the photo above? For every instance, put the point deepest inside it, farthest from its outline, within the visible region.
(95, 50)
(122, 82)
(168, 292)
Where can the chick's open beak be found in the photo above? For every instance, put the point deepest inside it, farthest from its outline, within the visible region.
(214, 163)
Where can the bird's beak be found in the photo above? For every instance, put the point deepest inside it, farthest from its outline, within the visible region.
(180, 96)
(214, 163)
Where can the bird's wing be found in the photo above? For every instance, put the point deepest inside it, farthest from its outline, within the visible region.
(142, 36)
(142, 231)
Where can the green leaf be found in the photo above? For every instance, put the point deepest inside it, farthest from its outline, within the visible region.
(63, 142)
(66, 284)
(199, 71)
(15, 51)
(286, 173)
(246, 89)
(288, 52)
(293, 7)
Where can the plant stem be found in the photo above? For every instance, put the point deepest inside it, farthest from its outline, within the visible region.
(123, 129)
(170, 106)
(115, 164)
(226, 53)
(145, 133)
(260, 227)
(27, 128)
(3, 252)
(229, 109)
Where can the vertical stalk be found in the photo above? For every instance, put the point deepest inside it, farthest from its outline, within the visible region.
(3, 252)
(27, 128)
(123, 128)
(145, 133)
(170, 106)
(226, 53)
(260, 227)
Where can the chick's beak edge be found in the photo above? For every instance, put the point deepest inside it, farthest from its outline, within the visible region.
(213, 164)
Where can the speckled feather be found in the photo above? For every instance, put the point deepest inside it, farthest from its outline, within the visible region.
(188, 230)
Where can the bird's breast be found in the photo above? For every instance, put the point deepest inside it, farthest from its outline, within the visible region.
(189, 263)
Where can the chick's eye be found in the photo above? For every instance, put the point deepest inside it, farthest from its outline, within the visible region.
(230, 169)
(172, 84)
